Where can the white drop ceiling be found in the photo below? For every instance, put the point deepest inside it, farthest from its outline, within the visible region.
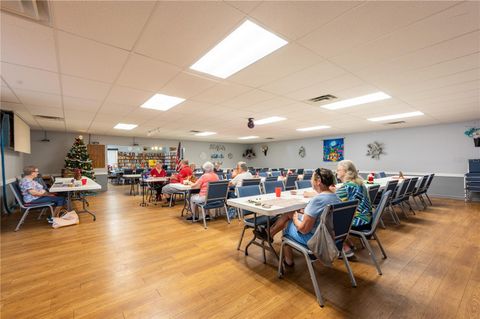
(97, 62)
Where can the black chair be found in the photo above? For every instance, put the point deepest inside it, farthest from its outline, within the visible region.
(399, 195)
(391, 186)
(139, 171)
(366, 235)
(248, 220)
(372, 193)
(290, 181)
(303, 184)
(307, 176)
(269, 187)
(26, 207)
(381, 175)
(427, 186)
(271, 179)
(409, 193)
(342, 215)
(216, 198)
(251, 181)
(220, 175)
(418, 191)
(300, 171)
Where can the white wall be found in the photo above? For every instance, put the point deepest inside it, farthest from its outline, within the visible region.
(50, 156)
(442, 149)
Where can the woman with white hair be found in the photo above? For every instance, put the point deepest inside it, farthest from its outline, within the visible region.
(354, 188)
(202, 183)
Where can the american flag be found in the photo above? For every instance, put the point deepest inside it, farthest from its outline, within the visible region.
(179, 156)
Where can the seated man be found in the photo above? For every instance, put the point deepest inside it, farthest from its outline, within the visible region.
(242, 173)
(185, 172)
(34, 193)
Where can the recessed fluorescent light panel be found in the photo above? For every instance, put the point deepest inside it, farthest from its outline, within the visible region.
(395, 116)
(244, 46)
(313, 128)
(123, 126)
(247, 137)
(269, 120)
(162, 102)
(205, 133)
(378, 96)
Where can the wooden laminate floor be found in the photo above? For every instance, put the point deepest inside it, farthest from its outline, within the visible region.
(137, 262)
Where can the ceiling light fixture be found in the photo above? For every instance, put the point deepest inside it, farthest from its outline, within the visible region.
(244, 46)
(313, 128)
(247, 137)
(162, 102)
(205, 133)
(369, 98)
(269, 120)
(395, 116)
(123, 126)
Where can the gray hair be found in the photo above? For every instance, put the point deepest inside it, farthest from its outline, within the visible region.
(28, 170)
(243, 166)
(351, 173)
(207, 167)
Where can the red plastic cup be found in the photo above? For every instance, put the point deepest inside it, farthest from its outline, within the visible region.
(84, 181)
(278, 191)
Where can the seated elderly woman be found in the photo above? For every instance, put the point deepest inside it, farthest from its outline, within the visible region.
(34, 193)
(202, 183)
(354, 188)
(185, 172)
(301, 226)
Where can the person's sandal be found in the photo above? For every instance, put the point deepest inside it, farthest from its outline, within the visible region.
(288, 265)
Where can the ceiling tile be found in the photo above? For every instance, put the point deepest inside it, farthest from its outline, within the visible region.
(34, 98)
(77, 104)
(297, 18)
(291, 57)
(251, 97)
(189, 28)
(86, 89)
(116, 23)
(113, 108)
(20, 38)
(128, 96)
(366, 23)
(89, 59)
(79, 116)
(186, 84)
(47, 111)
(7, 95)
(221, 92)
(30, 79)
(145, 73)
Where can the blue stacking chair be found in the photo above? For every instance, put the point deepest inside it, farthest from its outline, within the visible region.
(275, 173)
(248, 219)
(290, 181)
(216, 198)
(366, 235)
(271, 179)
(342, 215)
(269, 187)
(26, 207)
(307, 176)
(303, 184)
(263, 174)
(251, 181)
(381, 175)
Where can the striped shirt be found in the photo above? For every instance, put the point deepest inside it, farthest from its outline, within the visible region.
(351, 191)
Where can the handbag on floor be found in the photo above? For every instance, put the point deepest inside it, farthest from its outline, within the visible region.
(66, 219)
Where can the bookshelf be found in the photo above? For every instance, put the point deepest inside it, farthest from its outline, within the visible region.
(128, 159)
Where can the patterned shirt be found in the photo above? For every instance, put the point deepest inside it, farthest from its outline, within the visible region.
(351, 191)
(27, 184)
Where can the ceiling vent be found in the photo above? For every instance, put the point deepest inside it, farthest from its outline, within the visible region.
(269, 138)
(36, 10)
(194, 131)
(395, 123)
(47, 117)
(322, 99)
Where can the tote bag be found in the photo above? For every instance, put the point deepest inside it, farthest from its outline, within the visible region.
(69, 218)
(322, 243)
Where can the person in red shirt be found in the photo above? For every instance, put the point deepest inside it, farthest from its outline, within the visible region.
(158, 171)
(202, 183)
(184, 173)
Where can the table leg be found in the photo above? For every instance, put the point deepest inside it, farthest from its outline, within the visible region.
(143, 204)
(69, 201)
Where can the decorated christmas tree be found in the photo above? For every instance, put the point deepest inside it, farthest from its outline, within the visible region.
(77, 158)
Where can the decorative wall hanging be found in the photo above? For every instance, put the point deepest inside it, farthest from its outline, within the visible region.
(217, 147)
(302, 152)
(375, 149)
(264, 149)
(333, 150)
(249, 154)
(230, 155)
(474, 132)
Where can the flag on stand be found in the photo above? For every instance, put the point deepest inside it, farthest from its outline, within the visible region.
(179, 156)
